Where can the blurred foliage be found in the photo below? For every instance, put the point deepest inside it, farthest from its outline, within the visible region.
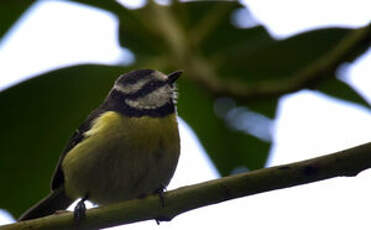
(198, 37)
(281, 59)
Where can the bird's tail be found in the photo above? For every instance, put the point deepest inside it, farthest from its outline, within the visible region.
(56, 200)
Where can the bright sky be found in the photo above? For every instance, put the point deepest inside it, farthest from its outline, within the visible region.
(88, 35)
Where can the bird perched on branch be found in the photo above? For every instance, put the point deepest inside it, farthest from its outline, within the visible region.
(126, 148)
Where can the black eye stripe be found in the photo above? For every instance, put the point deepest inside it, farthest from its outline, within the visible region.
(146, 89)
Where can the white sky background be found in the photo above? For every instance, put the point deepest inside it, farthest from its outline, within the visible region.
(55, 33)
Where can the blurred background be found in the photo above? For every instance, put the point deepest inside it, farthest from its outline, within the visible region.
(58, 59)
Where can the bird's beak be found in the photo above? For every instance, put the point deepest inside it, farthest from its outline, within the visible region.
(174, 76)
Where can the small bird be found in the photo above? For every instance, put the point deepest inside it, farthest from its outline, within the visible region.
(127, 147)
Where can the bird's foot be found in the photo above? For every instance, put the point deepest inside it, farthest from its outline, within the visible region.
(160, 192)
(79, 211)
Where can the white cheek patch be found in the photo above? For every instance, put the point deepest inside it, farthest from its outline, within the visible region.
(153, 100)
(133, 88)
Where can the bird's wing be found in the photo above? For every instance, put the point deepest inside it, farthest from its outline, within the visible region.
(77, 137)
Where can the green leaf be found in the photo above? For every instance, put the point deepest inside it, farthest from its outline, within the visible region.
(282, 58)
(227, 147)
(40, 116)
(341, 90)
(10, 11)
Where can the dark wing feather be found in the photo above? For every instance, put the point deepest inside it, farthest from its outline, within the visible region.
(77, 137)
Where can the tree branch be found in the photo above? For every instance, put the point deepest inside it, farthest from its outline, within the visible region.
(200, 71)
(344, 163)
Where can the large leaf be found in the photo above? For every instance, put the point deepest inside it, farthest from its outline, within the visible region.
(40, 115)
(282, 58)
(10, 11)
(227, 147)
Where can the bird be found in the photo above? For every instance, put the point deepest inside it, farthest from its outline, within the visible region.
(128, 147)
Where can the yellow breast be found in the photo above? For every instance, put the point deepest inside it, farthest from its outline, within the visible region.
(122, 157)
